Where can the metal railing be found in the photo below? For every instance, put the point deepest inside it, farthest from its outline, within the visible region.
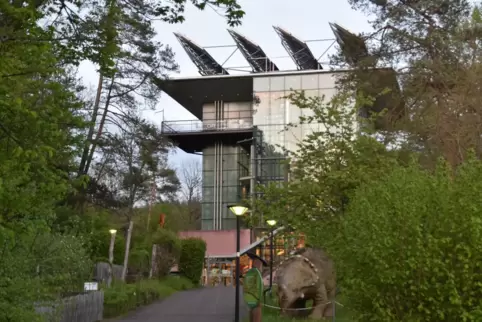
(206, 126)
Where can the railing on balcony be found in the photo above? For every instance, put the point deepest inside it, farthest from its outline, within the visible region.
(206, 125)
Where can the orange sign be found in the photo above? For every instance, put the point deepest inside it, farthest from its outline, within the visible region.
(162, 220)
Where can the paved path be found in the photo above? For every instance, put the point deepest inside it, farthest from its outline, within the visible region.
(212, 304)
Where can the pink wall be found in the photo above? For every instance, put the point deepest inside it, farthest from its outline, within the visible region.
(219, 242)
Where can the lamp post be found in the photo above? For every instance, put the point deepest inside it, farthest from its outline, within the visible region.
(111, 254)
(239, 211)
(271, 223)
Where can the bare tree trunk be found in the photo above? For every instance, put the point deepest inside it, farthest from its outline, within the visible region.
(128, 245)
(90, 135)
(94, 143)
(151, 202)
(111, 258)
(90, 146)
(153, 260)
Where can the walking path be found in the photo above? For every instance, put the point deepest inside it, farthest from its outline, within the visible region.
(210, 304)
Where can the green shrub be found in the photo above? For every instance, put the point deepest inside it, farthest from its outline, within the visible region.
(191, 262)
(411, 249)
(99, 246)
(139, 260)
(168, 251)
(122, 298)
(178, 283)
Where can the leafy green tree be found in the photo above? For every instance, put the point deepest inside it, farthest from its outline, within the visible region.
(129, 58)
(126, 85)
(131, 162)
(39, 136)
(411, 245)
(327, 167)
(434, 47)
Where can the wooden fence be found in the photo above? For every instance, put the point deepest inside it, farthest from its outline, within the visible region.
(101, 272)
(84, 307)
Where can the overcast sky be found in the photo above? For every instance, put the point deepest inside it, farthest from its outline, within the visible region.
(306, 19)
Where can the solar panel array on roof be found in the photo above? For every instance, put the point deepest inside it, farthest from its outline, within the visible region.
(253, 53)
(352, 46)
(201, 58)
(298, 50)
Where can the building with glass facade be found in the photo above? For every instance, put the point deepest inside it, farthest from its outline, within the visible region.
(241, 121)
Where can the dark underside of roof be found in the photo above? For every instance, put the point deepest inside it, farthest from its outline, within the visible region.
(192, 94)
(192, 142)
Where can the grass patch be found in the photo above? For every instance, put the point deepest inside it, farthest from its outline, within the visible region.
(122, 298)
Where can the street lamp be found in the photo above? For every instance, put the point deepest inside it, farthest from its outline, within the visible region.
(271, 223)
(111, 254)
(239, 211)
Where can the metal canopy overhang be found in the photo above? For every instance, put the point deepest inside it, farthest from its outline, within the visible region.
(192, 94)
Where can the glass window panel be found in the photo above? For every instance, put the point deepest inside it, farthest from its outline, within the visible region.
(208, 159)
(261, 84)
(309, 111)
(232, 193)
(308, 129)
(207, 210)
(293, 113)
(326, 80)
(229, 224)
(208, 178)
(232, 115)
(309, 81)
(207, 224)
(261, 113)
(208, 193)
(326, 94)
(209, 108)
(209, 115)
(245, 123)
(245, 114)
(277, 83)
(242, 106)
(311, 92)
(293, 137)
(293, 82)
(277, 110)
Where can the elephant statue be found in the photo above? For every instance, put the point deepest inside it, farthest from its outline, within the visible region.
(307, 275)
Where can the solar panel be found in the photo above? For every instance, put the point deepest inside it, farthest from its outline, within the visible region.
(200, 57)
(253, 53)
(352, 46)
(298, 50)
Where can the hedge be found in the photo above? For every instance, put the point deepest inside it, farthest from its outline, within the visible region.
(191, 262)
(168, 251)
(122, 298)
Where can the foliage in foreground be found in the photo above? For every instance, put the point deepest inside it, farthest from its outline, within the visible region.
(191, 262)
(411, 246)
(122, 298)
(405, 238)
